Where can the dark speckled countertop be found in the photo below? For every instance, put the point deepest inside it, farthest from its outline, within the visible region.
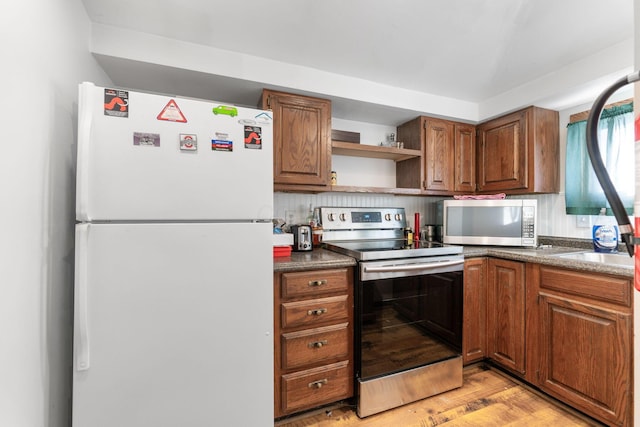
(547, 256)
(313, 260)
(322, 258)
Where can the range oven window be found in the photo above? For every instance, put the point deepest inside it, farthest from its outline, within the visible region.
(407, 322)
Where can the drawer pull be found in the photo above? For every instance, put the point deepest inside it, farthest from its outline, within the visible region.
(316, 312)
(317, 282)
(318, 344)
(318, 384)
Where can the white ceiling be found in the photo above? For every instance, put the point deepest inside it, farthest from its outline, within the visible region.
(471, 50)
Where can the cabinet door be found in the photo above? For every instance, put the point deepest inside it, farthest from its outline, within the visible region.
(474, 333)
(438, 159)
(302, 138)
(502, 153)
(506, 314)
(585, 357)
(465, 158)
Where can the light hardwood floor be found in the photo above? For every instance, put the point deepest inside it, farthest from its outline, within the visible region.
(487, 398)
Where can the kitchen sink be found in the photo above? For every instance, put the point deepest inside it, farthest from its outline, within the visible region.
(619, 259)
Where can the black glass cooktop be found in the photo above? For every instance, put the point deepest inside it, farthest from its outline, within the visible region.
(385, 249)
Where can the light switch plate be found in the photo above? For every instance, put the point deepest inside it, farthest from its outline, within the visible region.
(583, 221)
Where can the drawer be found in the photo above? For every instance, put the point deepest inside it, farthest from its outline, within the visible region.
(311, 283)
(315, 346)
(590, 285)
(310, 313)
(317, 386)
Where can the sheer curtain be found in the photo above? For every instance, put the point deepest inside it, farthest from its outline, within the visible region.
(583, 195)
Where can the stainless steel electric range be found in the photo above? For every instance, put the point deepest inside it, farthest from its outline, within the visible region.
(408, 307)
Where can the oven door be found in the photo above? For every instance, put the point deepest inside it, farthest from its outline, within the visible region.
(408, 328)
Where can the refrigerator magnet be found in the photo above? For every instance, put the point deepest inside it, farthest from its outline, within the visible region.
(116, 103)
(221, 145)
(225, 110)
(253, 137)
(264, 118)
(147, 139)
(188, 142)
(172, 113)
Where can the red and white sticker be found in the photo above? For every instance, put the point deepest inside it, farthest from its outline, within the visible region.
(188, 142)
(171, 112)
(116, 103)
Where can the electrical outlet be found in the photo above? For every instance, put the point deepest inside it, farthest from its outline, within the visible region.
(583, 221)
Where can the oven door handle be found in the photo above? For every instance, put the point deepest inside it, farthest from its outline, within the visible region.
(411, 267)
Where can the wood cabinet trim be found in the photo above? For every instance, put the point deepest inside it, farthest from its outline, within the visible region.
(597, 287)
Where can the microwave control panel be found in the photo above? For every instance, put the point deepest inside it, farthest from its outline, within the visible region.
(528, 222)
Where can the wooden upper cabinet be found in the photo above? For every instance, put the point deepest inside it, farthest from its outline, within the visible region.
(448, 156)
(519, 153)
(438, 156)
(464, 178)
(302, 138)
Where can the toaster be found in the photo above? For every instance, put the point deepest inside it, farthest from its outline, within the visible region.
(301, 238)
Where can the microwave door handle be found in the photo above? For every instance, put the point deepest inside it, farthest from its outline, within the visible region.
(411, 267)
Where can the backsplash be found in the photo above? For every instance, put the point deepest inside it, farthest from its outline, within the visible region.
(552, 219)
(294, 207)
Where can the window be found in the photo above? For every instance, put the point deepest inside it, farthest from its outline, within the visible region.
(583, 195)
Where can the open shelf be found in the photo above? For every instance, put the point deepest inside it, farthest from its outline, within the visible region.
(373, 151)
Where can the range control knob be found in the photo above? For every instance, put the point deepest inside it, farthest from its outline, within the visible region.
(331, 217)
(387, 217)
(343, 217)
(398, 217)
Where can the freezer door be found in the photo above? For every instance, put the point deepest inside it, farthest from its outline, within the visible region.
(173, 325)
(164, 158)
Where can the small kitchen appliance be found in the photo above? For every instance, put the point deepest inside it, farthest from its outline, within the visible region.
(408, 307)
(302, 238)
(504, 222)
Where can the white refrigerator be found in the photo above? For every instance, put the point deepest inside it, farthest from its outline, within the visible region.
(173, 311)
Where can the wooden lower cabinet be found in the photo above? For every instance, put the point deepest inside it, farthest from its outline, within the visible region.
(569, 333)
(313, 325)
(474, 332)
(506, 314)
(585, 343)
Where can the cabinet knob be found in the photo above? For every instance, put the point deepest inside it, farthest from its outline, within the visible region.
(318, 344)
(318, 384)
(317, 282)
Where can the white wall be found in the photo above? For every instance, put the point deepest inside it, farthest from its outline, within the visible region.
(45, 54)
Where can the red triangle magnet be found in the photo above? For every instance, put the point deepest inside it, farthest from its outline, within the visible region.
(171, 112)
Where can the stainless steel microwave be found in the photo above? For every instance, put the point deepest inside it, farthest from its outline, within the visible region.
(504, 222)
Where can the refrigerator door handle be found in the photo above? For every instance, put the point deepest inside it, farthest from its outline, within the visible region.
(82, 320)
